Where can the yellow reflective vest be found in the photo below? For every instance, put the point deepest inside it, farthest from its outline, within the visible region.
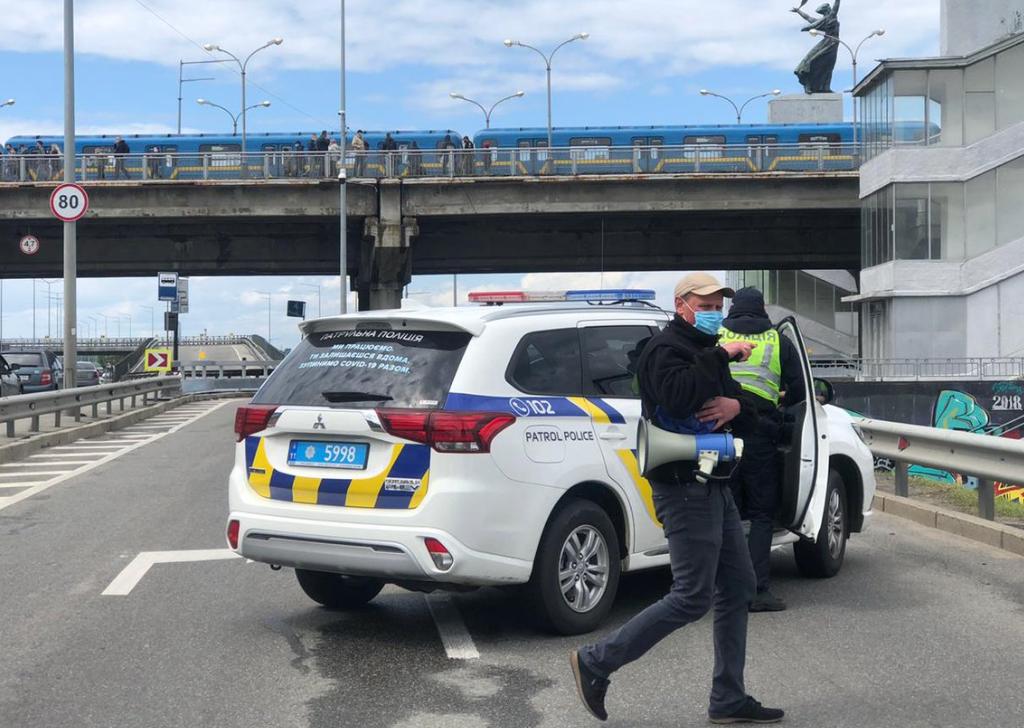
(761, 374)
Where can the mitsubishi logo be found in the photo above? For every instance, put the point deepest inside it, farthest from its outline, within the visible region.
(319, 424)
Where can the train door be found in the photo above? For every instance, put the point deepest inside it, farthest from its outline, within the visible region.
(769, 151)
(273, 164)
(532, 156)
(755, 151)
(646, 155)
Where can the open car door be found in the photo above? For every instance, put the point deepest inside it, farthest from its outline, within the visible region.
(805, 452)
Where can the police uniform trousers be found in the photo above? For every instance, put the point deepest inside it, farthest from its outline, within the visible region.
(755, 488)
(710, 569)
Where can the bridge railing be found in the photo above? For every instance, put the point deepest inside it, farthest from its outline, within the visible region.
(986, 458)
(32, 406)
(205, 368)
(700, 158)
(914, 369)
(56, 344)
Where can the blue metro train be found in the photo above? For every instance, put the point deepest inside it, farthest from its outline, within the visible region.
(636, 149)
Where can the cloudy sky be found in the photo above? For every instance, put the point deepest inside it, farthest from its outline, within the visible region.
(644, 63)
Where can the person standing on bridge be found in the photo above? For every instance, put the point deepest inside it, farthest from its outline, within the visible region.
(683, 373)
(773, 367)
(359, 152)
(120, 151)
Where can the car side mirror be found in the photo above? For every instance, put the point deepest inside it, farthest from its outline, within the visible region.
(13, 367)
(824, 392)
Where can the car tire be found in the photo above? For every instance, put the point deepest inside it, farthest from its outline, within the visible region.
(583, 603)
(336, 591)
(824, 558)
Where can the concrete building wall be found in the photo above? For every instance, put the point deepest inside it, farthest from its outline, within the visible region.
(968, 25)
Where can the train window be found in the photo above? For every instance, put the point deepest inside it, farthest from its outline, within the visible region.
(710, 146)
(222, 155)
(771, 139)
(704, 140)
(753, 139)
(595, 148)
(818, 139)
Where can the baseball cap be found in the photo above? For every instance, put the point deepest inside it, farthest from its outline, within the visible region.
(701, 284)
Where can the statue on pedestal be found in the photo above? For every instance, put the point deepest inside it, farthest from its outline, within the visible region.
(815, 70)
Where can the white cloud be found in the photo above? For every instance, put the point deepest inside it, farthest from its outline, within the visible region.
(680, 36)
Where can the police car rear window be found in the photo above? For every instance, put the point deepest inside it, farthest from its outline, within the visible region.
(368, 368)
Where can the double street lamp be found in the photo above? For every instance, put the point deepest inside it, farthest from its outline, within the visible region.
(242, 65)
(233, 117)
(853, 61)
(739, 109)
(547, 64)
(488, 112)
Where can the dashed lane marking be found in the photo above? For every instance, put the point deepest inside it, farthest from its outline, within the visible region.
(457, 641)
(124, 446)
(132, 574)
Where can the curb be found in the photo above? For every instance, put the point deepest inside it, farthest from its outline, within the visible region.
(18, 450)
(978, 529)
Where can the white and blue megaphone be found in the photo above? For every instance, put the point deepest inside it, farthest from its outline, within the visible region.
(657, 446)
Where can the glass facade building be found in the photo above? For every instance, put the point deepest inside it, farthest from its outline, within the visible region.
(805, 295)
(942, 102)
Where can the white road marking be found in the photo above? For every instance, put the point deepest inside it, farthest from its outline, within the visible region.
(18, 485)
(132, 574)
(129, 446)
(57, 455)
(24, 464)
(57, 460)
(457, 641)
(35, 472)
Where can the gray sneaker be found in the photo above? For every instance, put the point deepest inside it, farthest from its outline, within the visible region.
(767, 602)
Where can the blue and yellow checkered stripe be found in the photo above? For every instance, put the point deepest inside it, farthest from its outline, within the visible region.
(405, 461)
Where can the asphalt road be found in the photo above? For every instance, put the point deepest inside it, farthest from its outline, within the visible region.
(920, 629)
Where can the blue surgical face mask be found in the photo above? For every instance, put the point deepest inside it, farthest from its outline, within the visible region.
(708, 321)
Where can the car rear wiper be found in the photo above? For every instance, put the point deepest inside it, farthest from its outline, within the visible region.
(355, 397)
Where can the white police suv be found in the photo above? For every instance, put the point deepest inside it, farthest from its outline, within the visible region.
(489, 446)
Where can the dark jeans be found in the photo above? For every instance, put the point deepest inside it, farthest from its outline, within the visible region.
(755, 488)
(710, 568)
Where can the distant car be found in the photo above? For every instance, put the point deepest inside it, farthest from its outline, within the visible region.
(86, 374)
(38, 370)
(10, 385)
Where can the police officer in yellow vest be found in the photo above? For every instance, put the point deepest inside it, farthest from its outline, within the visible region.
(773, 367)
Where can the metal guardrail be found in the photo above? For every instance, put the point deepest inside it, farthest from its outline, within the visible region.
(913, 369)
(220, 369)
(985, 457)
(226, 164)
(32, 406)
(84, 344)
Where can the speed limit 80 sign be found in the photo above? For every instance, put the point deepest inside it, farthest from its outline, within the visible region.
(69, 202)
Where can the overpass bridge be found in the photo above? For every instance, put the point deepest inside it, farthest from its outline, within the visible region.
(720, 215)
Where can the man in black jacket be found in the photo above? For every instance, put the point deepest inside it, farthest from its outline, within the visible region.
(683, 374)
(756, 481)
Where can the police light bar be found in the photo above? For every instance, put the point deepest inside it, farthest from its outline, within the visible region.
(588, 295)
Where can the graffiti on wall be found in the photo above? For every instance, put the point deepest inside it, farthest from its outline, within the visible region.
(990, 408)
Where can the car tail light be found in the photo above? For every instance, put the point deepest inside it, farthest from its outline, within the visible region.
(470, 432)
(252, 418)
(233, 533)
(441, 557)
(45, 377)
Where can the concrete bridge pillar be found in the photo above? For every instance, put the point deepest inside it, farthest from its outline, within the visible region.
(385, 266)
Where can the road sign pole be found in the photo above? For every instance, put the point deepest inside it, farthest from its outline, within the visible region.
(70, 230)
(174, 350)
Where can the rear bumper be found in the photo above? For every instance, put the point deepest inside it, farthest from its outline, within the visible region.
(393, 553)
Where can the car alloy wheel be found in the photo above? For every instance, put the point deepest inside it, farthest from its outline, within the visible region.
(583, 568)
(835, 520)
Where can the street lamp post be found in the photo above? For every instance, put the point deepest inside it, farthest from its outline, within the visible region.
(106, 324)
(547, 64)
(270, 298)
(853, 62)
(319, 311)
(129, 317)
(181, 66)
(233, 117)
(242, 65)
(152, 328)
(487, 112)
(739, 109)
(342, 181)
(95, 324)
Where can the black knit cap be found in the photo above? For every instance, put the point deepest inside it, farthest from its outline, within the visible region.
(748, 300)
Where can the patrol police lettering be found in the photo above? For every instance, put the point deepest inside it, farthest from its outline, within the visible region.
(385, 334)
(559, 436)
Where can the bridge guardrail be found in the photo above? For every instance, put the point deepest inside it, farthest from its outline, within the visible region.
(700, 158)
(32, 406)
(914, 369)
(102, 342)
(987, 458)
(201, 369)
